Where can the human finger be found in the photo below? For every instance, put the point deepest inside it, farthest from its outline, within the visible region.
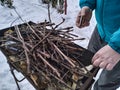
(97, 62)
(96, 56)
(109, 66)
(79, 19)
(83, 23)
(103, 64)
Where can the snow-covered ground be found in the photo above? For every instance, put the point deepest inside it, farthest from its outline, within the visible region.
(33, 10)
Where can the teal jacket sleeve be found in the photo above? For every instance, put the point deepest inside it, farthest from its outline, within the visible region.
(90, 3)
(114, 42)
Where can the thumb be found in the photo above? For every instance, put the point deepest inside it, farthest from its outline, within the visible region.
(83, 12)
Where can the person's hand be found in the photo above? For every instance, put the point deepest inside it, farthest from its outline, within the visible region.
(106, 58)
(84, 17)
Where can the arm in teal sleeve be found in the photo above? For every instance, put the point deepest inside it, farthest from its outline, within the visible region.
(114, 42)
(90, 3)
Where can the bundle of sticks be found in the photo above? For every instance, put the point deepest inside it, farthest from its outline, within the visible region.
(47, 56)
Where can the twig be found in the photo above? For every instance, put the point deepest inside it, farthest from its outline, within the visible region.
(68, 59)
(49, 13)
(59, 23)
(25, 48)
(54, 70)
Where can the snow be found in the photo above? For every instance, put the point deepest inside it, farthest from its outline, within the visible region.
(33, 10)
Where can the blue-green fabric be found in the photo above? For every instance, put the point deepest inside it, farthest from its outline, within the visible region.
(107, 14)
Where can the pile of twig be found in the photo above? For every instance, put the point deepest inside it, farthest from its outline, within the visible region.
(46, 54)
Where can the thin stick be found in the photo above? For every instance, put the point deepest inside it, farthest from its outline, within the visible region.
(68, 59)
(25, 48)
(54, 70)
